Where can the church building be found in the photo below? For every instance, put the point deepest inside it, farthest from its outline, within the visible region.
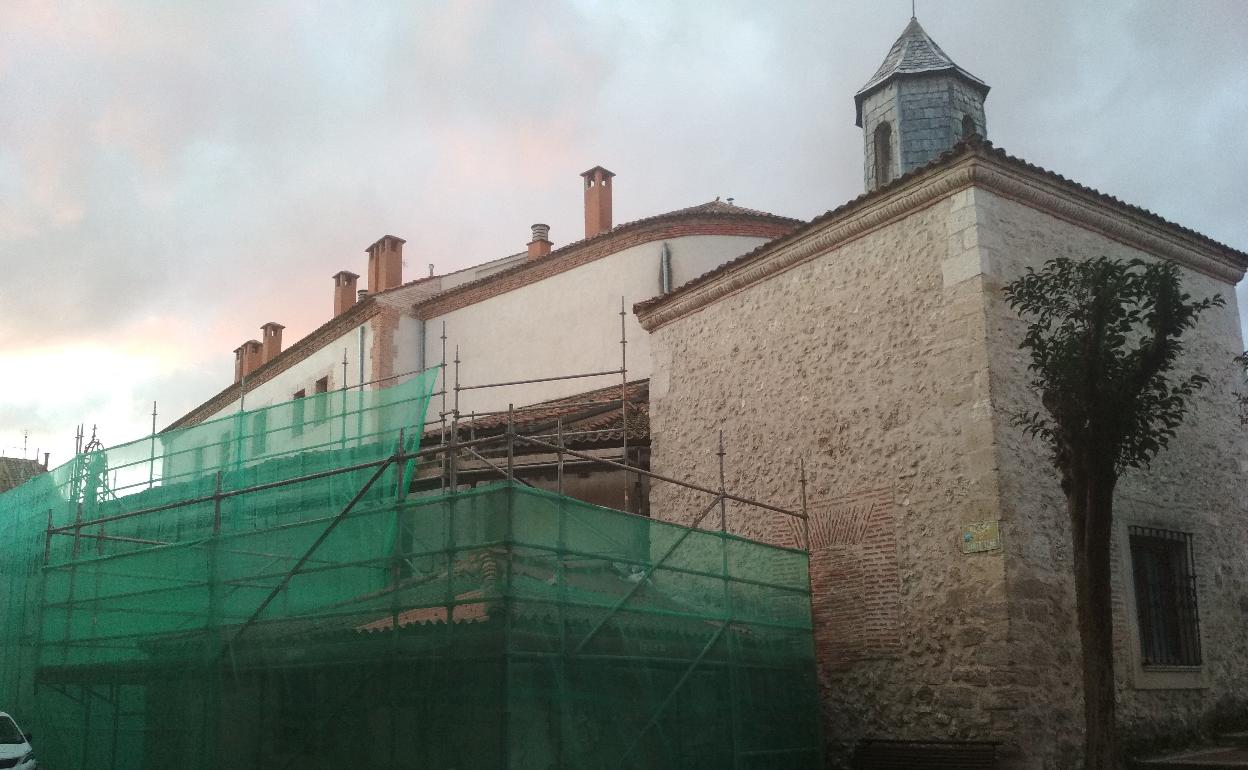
(869, 352)
(874, 345)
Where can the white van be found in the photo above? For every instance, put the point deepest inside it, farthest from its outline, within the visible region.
(15, 750)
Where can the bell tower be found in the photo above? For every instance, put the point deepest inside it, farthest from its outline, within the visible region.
(917, 105)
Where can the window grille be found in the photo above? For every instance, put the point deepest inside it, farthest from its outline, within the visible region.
(1162, 563)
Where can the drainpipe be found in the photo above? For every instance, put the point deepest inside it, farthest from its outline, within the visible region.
(420, 347)
(665, 269)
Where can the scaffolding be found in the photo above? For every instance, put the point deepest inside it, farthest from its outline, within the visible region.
(304, 585)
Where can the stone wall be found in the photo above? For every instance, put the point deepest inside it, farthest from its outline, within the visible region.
(869, 361)
(889, 362)
(1195, 486)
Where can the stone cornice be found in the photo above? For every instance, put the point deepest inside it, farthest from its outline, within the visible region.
(975, 166)
(802, 246)
(1118, 221)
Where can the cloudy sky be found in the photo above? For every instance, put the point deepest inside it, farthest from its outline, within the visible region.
(173, 175)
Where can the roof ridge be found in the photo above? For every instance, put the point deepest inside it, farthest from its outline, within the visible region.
(713, 208)
(968, 146)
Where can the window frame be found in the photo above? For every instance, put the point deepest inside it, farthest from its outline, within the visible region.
(297, 412)
(1167, 606)
(1145, 674)
(883, 165)
(320, 407)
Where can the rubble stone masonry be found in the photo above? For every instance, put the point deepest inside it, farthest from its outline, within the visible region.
(863, 362)
(890, 363)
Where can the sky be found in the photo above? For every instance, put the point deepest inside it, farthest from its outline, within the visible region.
(174, 175)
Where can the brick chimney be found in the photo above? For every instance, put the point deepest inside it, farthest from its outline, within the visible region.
(344, 291)
(540, 245)
(250, 358)
(385, 264)
(238, 362)
(597, 201)
(271, 333)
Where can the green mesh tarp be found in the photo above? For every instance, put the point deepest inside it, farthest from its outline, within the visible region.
(154, 616)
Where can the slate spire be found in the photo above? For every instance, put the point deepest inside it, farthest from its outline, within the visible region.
(914, 53)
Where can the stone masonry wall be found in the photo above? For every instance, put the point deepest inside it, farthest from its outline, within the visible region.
(1195, 486)
(869, 361)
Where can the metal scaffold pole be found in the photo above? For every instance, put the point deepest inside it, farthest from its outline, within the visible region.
(624, 401)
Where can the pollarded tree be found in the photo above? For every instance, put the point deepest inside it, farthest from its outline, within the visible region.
(1104, 337)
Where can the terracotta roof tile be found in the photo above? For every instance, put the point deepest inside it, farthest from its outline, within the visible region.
(595, 415)
(15, 471)
(715, 209)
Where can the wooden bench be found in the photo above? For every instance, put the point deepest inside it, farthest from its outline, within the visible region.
(880, 754)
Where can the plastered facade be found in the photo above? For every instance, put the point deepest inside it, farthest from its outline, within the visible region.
(883, 354)
(566, 323)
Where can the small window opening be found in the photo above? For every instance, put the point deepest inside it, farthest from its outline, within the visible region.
(296, 413)
(1165, 597)
(883, 154)
(259, 432)
(322, 400)
(968, 126)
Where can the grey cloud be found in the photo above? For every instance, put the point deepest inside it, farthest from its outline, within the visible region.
(218, 162)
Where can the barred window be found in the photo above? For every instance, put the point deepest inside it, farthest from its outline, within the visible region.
(1162, 566)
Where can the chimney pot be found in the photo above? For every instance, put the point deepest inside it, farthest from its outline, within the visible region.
(361, 294)
(385, 263)
(344, 291)
(597, 200)
(540, 245)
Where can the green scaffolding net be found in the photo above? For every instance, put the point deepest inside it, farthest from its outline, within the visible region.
(273, 590)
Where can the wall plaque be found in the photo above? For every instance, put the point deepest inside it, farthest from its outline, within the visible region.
(979, 536)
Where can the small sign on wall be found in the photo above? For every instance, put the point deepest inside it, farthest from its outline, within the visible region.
(980, 536)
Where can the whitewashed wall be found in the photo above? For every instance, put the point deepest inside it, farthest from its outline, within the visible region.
(327, 361)
(567, 323)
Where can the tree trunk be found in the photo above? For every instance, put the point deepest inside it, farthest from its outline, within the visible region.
(1090, 499)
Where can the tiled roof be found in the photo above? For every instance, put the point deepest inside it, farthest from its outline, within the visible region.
(311, 342)
(712, 209)
(589, 418)
(914, 53)
(720, 207)
(15, 471)
(972, 145)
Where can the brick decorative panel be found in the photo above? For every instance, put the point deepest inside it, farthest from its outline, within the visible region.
(854, 577)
